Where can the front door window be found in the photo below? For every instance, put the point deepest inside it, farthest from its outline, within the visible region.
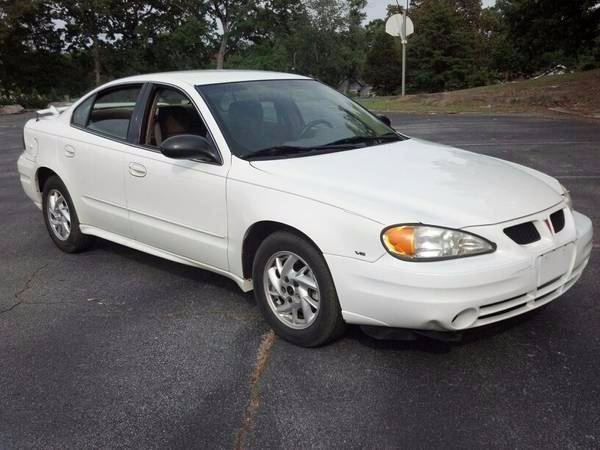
(171, 113)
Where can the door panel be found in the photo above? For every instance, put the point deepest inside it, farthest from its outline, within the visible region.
(175, 205)
(178, 206)
(93, 156)
(97, 180)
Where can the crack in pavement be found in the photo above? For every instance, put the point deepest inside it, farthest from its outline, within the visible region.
(262, 358)
(24, 289)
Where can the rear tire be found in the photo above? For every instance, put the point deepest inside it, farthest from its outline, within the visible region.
(61, 218)
(295, 291)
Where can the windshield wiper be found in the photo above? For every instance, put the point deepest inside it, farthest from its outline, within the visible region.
(280, 150)
(342, 144)
(387, 137)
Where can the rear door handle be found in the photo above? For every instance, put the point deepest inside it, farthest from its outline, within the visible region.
(137, 170)
(69, 151)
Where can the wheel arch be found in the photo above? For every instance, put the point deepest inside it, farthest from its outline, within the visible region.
(42, 175)
(257, 233)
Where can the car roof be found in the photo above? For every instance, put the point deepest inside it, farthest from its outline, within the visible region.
(201, 77)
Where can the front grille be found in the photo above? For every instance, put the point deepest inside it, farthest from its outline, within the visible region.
(493, 312)
(548, 283)
(502, 307)
(524, 233)
(544, 293)
(503, 311)
(558, 220)
(545, 296)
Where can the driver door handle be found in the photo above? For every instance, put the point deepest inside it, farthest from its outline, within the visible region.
(137, 170)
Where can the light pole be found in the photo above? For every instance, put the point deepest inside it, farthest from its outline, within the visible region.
(404, 42)
(400, 25)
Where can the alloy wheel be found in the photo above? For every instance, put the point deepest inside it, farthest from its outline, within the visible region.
(59, 215)
(292, 290)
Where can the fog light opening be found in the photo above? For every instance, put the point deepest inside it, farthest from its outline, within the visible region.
(465, 319)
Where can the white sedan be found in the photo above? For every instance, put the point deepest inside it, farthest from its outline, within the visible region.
(291, 189)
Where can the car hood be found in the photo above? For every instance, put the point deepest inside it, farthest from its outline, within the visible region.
(415, 181)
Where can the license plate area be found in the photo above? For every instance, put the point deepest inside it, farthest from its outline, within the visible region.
(554, 264)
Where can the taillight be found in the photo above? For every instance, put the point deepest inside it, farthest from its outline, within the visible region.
(30, 146)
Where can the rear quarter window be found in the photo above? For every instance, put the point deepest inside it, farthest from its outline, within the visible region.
(82, 112)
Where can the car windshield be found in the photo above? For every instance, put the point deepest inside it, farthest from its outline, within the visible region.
(281, 118)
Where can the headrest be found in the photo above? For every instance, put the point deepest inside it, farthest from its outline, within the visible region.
(243, 111)
(174, 119)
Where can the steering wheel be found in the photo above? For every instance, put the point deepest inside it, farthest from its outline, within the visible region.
(312, 124)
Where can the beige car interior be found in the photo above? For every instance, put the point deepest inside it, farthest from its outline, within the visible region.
(172, 114)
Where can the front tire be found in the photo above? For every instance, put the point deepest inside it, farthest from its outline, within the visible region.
(61, 218)
(295, 291)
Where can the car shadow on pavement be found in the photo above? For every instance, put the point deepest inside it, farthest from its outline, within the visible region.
(176, 269)
(418, 343)
(427, 344)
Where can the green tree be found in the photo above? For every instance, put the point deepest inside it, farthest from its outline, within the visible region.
(31, 55)
(445, 51)
(159, 37)
(87, 26)
(232, 17)
(355, 39)
(268, 36)
(321, 38)
(188, 45)
(501, 56)
(383, 67)
(326, 41)
(470, 9)
(393, 9)
(115, 34)
(546, 32)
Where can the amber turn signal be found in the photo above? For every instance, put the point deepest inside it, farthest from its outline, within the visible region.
(400, 240)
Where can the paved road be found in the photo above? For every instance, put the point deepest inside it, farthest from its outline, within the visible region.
(117, 348)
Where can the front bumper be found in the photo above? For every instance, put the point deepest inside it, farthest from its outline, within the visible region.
(467, 292)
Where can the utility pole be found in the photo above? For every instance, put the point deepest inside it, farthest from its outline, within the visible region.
(400, 25)
(404, 42)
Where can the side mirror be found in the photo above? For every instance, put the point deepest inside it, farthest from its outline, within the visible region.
(189, 146)
(384, 119)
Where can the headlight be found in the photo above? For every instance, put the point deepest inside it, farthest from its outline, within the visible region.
(431, 243)
(567, 196)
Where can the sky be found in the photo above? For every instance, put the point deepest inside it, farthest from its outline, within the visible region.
(376, 8)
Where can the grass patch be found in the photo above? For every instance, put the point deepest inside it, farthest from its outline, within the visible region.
(575, 92)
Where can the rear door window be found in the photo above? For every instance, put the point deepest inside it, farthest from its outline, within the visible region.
(112, 110)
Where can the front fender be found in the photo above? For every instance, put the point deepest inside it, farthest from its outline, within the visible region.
(334, 230)
(550, 181)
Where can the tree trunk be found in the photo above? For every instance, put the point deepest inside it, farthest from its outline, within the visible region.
(96, 57)
(221, 52)
(223, 46)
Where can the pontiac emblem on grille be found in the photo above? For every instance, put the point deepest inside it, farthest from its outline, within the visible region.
(549, 225)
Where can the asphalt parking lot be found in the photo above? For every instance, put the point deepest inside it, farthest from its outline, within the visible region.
(116, 348)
